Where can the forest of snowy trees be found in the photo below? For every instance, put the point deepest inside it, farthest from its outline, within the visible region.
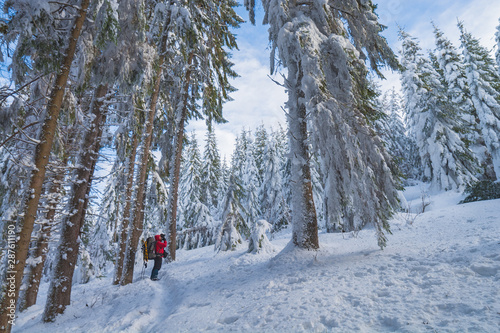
(113, 84)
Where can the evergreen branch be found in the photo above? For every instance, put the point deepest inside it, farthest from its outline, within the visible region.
(286, 113)
(4, 98)
(278, 83)
(63, 4)
(19, 130)
(15, 159)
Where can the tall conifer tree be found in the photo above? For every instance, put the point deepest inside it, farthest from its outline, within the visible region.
(321, 45)
(211, 173)
(484, 84)
(447, 160)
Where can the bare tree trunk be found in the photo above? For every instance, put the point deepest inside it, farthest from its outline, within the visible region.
(42, 244)
(304, 221)
(14, 273)
(59, 295)
(122, 242)
(174, 192)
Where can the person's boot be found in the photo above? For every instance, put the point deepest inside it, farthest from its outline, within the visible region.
(154, 275)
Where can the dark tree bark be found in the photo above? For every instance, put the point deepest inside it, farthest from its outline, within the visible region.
(15, 269)
(59, 295)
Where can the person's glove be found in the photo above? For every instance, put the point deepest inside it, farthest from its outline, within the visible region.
(162, 236)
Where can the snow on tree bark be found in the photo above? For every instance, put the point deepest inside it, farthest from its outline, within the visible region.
(304, 222)
(59, 294)
(42, 245)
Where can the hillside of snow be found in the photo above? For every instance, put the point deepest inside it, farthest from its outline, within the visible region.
(440, 273)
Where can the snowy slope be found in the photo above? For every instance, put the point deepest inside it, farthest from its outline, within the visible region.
(441, 273)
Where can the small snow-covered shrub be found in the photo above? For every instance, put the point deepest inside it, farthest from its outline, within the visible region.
(228, 237)
(85, 269)
(258, 239)
(482, 190)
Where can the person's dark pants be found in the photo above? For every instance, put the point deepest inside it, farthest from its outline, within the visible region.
(156, 267)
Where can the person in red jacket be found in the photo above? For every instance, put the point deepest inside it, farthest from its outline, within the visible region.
(161, 243)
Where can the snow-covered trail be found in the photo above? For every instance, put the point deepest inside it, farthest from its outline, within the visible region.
(442, 273)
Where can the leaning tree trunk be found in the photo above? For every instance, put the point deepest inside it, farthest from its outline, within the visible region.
(59, 294)
(304, 221)
(135, 229)
(42, 244)
(179, 138)
(15, 269)
(122, 242)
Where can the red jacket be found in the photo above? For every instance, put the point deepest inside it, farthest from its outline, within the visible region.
(160, 245)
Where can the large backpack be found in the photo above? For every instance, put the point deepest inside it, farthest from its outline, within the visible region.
(149, 248)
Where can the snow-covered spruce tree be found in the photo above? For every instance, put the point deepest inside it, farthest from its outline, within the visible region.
(242, 145)
(260, 142)
(259, 243)
(453, 71)
(393, 132)
(451, 65)
(250, 183)
(447, 160)
(195, 216)
(211, 173)
(204, 45)
(271, 193)
(497, 39)
(318, 189)
(321, 45)
(285, 171)
(223, 185)
(228, 236)
(484, 85)
(70, 36)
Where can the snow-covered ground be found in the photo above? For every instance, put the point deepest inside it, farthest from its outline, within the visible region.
(440, 273)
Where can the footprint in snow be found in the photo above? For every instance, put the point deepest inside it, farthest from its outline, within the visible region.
(229, 320)
(485, 270)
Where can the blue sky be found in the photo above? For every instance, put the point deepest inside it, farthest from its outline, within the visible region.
(259, 100)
